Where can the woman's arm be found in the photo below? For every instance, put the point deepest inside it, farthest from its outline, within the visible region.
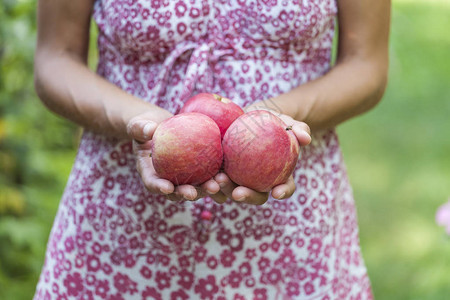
(64, 82)
(67, 86)
(358, 80)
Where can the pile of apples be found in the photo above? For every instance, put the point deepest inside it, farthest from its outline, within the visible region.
(255, 149)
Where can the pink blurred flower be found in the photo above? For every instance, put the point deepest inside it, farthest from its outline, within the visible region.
(443, 216)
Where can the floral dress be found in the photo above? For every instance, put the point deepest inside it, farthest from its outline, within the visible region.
(112, 239)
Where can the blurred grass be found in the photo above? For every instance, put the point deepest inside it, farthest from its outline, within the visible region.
(398, 157)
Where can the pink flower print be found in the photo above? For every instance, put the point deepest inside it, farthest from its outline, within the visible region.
(121, 282)
(152, 33)
(93, 263)
(238, 297)
(211, 262)
(250, 282)
(223, 236)
(307, 214)
(107, 269)
(62, 297)
(180, 9)
(275, 245)
(186, 279)
(302, 274)
(293, 289)
(263, 263)
(245, 269)
(183, 261)
(90, 279)
(87, 295)
(116, 296)
(250, 253)
(315, 246)
(199, 253)
(263, 247)
(309, 288)
(69, 244)
(236, 243)
(194, 13)
(96, 248)
(73, 284)
(286, 258)
(443, 216)
(162, 280)
(179, 295)
(149, 225)
(146, 272)
(300, 242)
(118, 255)
(155, 4)
(124, 284)
(102, 288)
(150, 293)
(129, 261)
(161, 226)
(206, 287)
(260, 294)
(163, 259)
(258, 232)
(178, 238)
(227, 258)
(233, 214)
(235, 279)
(274, 275)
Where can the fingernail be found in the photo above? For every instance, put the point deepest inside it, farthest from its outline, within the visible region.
(189, 197)
(211, 192)
(163, 191)
(281, 196)
(147, 130)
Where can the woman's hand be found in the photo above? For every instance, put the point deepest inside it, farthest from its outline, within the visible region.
(141, 129)
(229, 189)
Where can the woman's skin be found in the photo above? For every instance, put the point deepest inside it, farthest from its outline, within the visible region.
(67, 87)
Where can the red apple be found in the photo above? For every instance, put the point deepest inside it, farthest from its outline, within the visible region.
(259, 151)
(186, 149)
(222, 110)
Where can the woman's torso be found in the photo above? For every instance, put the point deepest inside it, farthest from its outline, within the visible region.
(111, 238)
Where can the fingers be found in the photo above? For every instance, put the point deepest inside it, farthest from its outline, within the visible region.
(249, 196)
(226, 185)
(240, 194)
(211, 187)
(300, 129)
(186, 191)
(285, 190)
(141, 129)
(302, 132)
(156, 185)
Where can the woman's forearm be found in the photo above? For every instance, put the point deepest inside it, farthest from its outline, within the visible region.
(67, 87)
(358, 80)
(347, 90)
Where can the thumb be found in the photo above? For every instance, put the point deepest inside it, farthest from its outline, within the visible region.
(302, 132)
(141, 129)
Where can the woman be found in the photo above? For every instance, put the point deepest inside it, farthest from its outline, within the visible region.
(117, 235)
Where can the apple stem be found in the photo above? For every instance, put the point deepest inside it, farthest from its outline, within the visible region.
(217, 97)
(289, 128)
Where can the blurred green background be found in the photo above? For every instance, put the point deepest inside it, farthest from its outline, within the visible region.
(398, 157)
